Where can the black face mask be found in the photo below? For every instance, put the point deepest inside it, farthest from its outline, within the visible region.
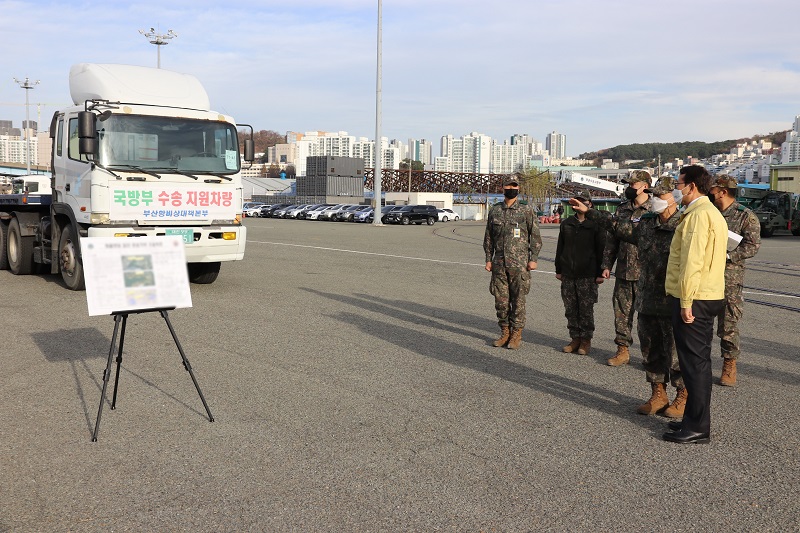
(510, 193)
(631, 193)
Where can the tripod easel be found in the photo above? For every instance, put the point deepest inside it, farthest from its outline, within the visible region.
(121, 317)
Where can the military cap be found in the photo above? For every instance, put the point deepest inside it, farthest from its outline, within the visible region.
(583, 194)
(511, 179)
(637, 176)
(664, 185)
(725, 181)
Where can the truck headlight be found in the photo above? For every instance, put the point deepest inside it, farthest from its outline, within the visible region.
(99, 218)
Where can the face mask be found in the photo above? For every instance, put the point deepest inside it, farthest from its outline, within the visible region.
(631, 193)
(657, 205)
(678, 195)
(510, 193)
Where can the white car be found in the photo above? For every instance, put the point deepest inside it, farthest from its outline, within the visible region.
(253, 210)
(447, 214)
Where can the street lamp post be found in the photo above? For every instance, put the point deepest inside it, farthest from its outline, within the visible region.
(376, 180)
(27, 85)
(158, 39)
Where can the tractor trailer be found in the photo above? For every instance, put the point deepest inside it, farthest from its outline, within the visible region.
(140, 154)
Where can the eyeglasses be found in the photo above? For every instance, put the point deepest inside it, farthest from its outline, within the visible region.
(679, 183)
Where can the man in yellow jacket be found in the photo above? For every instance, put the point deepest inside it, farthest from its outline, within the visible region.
(696, 282)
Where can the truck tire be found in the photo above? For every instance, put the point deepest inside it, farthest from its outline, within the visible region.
(20, 250)
(203, 273)
(767, 231)
(3, 245)
(69, 263)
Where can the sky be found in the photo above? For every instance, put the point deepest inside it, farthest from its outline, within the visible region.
(601, 73)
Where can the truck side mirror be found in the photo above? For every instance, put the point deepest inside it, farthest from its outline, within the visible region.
(87, 133)
(249, 150)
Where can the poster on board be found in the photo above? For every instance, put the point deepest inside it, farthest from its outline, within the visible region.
(131, 274)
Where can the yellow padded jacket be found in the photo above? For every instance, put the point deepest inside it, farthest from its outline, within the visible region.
(696, 266)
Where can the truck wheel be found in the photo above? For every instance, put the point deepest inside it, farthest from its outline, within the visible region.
(69, 263)
(3, 245)
(20, 250)
(203, 273)
(767, 231)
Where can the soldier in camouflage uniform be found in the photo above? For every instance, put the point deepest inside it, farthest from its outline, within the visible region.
(578, 255)
(652, 236)
(744, 222)
(511, 243)
(624, 254)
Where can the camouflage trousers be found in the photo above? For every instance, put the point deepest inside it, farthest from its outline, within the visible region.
(624, 296)
(579, 296)
(510, 288)
(659, 356)
(728, 319)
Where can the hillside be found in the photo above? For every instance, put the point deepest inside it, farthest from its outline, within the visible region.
(680, 150)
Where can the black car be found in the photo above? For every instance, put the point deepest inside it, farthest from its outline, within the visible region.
(416, 214)
(267, 211)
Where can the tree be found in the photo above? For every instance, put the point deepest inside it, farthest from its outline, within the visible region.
(415, 165)
(262, 139)
(538, 187)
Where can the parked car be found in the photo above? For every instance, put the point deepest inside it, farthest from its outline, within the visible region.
(268, 210)
(447, 214)
(350, 215)
(364, 215)
(313, 214)
(293, 211)
(252, 210)
(413, 214)
(346, 214)
(384, 210)
(330, 212)
(301, 215)
(281, 212)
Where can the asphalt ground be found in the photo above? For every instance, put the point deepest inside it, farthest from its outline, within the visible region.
(354, 388)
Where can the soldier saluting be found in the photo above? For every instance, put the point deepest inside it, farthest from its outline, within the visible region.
(511, 244)
(744, 223)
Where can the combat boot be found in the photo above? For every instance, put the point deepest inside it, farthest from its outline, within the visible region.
(728, 378)
(658, 400)
(516, 339)
(585, 346)
(572, 346)
(678, 404)
(622, 357)
(505, 332)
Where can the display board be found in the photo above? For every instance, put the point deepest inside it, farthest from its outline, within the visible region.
(129, 274)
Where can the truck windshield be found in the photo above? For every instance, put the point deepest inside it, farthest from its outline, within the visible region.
(196, 146)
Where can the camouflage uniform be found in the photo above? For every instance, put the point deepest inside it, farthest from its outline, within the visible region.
(578, 255)
(743, 221)
(626, 274)
(652, 238)
(512, 239)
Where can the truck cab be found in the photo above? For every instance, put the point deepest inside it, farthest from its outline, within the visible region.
(141, 154)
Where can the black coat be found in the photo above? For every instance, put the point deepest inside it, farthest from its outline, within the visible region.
(580, 248)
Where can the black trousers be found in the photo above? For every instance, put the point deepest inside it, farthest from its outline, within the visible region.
(693, 342)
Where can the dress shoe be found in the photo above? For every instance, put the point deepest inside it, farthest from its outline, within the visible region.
(675, 425)
(684, 436)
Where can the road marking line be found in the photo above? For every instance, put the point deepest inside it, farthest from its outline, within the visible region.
(770, 294)
(379, 254)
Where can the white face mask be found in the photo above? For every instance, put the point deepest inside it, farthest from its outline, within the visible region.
(657, 205)
(678, 195)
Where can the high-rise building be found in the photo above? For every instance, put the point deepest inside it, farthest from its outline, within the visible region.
(420, 150)
(470, 153)
(556, 145)
(790, 149)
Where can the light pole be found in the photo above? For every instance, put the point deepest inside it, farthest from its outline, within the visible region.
(376, 180)
(27, 85)
(158, 39)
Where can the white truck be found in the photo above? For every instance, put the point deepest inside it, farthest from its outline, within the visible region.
(139, 155)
